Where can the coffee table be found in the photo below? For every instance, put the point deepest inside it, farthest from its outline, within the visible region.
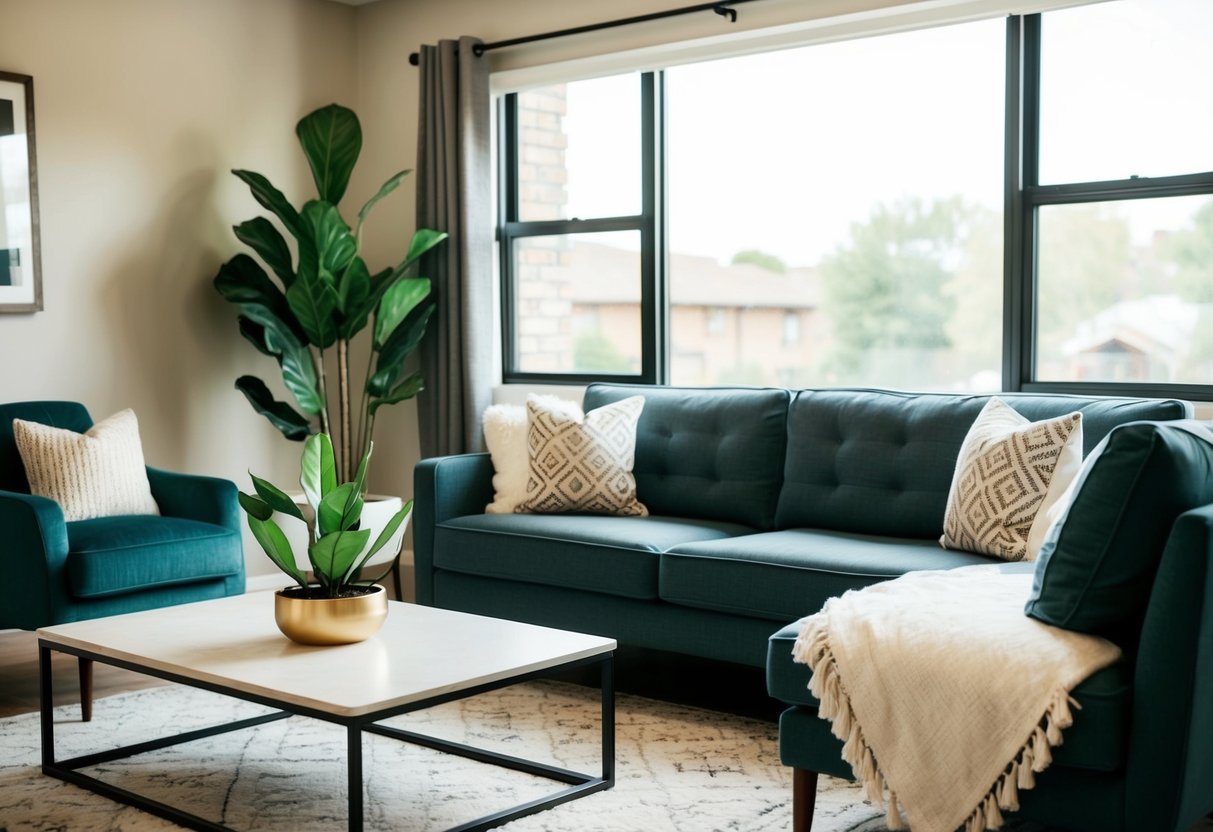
(420, 658)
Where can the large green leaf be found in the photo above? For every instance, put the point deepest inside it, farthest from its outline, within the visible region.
(280, 414)
(261, 236)
(356, 320)
(254, 333)
(294, 357)
(334, 553)
(241, 280)
(276, 498)
(272, 198)
(397, 303)
(254, 506)
(407, 389)
(332, 139)
(340, 510)
(422, 241)
(398, 348)
(275, 544)
(335, 245)
(386, 188)
(314, 301)
(353, 287)
(317, 468)
(360, 476)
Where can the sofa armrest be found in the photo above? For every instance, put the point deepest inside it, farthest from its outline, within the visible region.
(1170, 767)
(34, 591)
(194, 497)
(445, 487)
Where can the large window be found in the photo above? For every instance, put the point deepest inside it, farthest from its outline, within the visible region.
(861, 212)
(1119, 199)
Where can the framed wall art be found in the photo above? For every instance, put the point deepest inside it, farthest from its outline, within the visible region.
(20, 259)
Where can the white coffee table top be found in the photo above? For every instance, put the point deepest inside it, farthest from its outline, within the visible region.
(420, 652)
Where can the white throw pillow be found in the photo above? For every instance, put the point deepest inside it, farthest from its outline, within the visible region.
(99, 473)
(1010, 475)
(583, 463)
(505, 429)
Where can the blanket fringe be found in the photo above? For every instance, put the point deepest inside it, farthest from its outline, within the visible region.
(813, 648)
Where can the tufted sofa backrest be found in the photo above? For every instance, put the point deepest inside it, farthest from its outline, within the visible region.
(713, 453)
(66, 415)
(881, 462)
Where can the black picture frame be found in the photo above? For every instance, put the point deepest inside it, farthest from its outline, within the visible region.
(20, 246)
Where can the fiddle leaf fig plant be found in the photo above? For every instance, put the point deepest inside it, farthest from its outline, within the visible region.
(323, 296)
(337, 547)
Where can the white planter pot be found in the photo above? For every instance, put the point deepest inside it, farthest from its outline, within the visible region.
(376, 513)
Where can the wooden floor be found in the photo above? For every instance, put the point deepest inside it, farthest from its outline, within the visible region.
(19, 676)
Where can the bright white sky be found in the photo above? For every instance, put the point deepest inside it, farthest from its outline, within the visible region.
(783, 151)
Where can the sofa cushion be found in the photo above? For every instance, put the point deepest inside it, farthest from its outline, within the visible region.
(98, 473)
(849, 450)
(1097, 740)
(1097, 564)
(117, 555)
(1009, 475)
(598, 553)
(66, 415)
(789, 574)
(716, 453)
(582, 462)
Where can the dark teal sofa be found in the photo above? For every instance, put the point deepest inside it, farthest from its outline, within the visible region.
(764, 503)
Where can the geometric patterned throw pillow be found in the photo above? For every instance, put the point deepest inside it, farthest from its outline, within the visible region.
(99, 473)
(582, 462)
(1009, 473)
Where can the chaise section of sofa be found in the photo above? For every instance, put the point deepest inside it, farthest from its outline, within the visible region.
(763, 503)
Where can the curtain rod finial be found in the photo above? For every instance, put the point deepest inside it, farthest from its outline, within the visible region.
(414, 59)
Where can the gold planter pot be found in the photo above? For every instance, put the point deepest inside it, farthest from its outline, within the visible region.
(330, 620)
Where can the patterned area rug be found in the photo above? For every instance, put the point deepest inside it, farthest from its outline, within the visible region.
(679, 769)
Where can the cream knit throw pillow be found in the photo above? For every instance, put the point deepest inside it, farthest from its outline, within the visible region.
(95, 474)
(505, 434)
(1009, 474)
(583, 463)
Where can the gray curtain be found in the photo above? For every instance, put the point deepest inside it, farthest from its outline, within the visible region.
(454, 195)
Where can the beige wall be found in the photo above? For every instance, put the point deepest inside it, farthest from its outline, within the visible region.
(142, 107)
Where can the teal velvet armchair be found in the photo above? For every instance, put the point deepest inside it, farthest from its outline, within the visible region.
(59, 571)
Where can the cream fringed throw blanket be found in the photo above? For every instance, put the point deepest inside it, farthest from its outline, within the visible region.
(947, 696)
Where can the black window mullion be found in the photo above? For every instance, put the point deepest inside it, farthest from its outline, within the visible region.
(507, 212)
(544, 228)
(652, 330)
(1014, 273)
(1193, 184)
(1026, 278)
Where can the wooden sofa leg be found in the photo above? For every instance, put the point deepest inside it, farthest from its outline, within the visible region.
(86, 689)
(804, 798)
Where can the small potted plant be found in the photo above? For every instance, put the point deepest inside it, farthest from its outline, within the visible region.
(338, 608)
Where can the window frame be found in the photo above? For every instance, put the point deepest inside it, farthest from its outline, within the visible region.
(1023, 198)
(510, 229)
(1026, 196)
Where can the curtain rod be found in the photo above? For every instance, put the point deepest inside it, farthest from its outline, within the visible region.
(721, 8)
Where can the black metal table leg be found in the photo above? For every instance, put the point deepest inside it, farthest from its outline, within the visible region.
(608, 721)
(354, 770)
(46, 706)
